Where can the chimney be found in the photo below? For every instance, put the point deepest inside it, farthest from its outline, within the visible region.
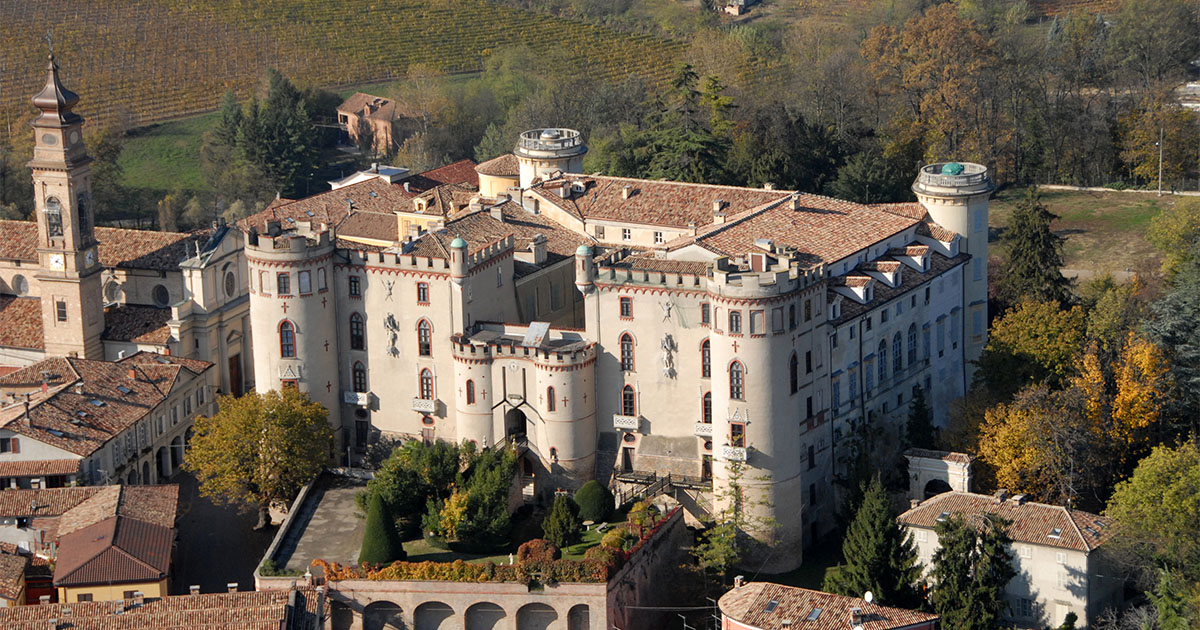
(194, 589)
(25, 418)
(627, 191)
(497, 213)
(912, 503)
(794, 202)
(718, 207)
(1001, 495)
(44, 599)
(856, 617)
(374, 167)
(1019, 499)
(537, 245)
(132, 374)
(739, 581)
(786, 623)
(79, 387)
(52, 623)
(139, 598)
(231, 587)
(407, 188)
(768, 185)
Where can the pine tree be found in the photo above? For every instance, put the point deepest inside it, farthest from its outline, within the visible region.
(970, 570)
(381, 542)
(1033, 267)
(919, 432)
(880, 556)
(562, 524)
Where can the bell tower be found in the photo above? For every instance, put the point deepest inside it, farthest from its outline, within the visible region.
(69, 272)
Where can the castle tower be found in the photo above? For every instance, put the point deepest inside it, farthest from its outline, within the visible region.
(585, 270)
(69, 272)
(956, 197)
(543, 151)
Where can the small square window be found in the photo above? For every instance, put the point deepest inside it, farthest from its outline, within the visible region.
(283, 282)
(355, 286)
(627, 307)
(60, 310)
(600, 232)
(626, 234)
(883, 316)
(658, 238)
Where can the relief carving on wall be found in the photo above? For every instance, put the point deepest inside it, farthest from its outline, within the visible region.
(668, 355)
(393, 330)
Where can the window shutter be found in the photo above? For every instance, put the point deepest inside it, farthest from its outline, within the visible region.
(16, 445)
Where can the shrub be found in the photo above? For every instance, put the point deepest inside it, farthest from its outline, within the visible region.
(600, 554)
(595, 502)
(619, 539)
(538, 550)
(562, 524)
(381, 542)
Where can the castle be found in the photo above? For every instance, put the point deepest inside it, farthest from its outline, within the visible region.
(624, 329)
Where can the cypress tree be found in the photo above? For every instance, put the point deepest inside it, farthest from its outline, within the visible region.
(919, 431)
(880, 556)
(970, 569)
(562, 524)
(381, 542)
(1033, 266)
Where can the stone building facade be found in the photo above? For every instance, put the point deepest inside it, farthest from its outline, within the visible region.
(626, 328)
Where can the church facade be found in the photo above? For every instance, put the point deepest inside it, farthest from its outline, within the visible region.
(623, 329)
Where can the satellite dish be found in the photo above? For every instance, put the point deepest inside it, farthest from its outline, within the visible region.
(869, 597)
(858, 628)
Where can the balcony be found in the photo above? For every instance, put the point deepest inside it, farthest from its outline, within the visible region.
(360, 399)
(629, 423)
(424, 405)
(704, 429)
(733, 453)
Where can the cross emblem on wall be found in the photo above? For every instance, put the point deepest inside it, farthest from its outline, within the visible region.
(328, 386)
(323, 301)
(735, 346)
(285, 307)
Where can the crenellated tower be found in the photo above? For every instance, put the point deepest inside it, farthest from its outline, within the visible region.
(69, 269)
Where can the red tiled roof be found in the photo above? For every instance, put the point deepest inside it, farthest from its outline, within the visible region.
(648, 262)
(114, 550)
(21, 322)
(946, 456)
(139, 324)
(39, 468)
(370, 225)
(506, 165)
(1030, 522)
(749, 605)
(12, 571)
(294, 609)
(49, 502)
(119, 247)
(651, 202)
(933, 230)
(447, 200)
(460, 172)
(73, 421)
(157, 505)
(386, 109)
(331, 207)
(479, 229)
(910, 209)
(910, 279)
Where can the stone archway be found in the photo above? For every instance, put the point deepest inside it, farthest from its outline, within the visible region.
(162, 461)
(146, 473)
(176, 452)
(536, 617)
(382, 615)
(936, 487)
(432, 616)
(341, 616)
(484, 616)
(515, 423)
(579, 617)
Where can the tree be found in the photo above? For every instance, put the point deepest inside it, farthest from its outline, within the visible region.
(1157, 510)
(919, 431)
(278, 136)
(1033, 342)
(1032, 266)
(868, 177)
(595, 502)
(727, 538)
(1173, 231)
(1174, 326)
(561, 526)
(1155, 40)
(109, 194)
(1175, 601)
(260, 449)
(381, 542)
(879, 554)
(1159, 117)
(970, 570)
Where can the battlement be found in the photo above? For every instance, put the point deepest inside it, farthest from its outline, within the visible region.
(297, 237)
(490, 251)
(537, 341)
(625, 267)
(764, 275)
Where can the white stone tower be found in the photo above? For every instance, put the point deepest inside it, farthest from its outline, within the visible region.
(956, 197)
(69, 269)
(543, 151)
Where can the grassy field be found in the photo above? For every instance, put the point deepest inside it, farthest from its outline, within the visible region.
(166, 156)
(1105, 232)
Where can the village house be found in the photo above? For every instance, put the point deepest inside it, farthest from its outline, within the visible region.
(770, 606)
(386, 121)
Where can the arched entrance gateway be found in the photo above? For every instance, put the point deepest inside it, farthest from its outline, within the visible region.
(485, 616)
(936, 487)
(433, 616)
(515, 423)
(536, 617)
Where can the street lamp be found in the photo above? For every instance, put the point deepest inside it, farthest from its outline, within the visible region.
(1160, 159)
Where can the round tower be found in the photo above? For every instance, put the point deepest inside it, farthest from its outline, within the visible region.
(567, 440)
(293, 315)
(585, 270)
(475, 391)
(956, 197)
(458, 260)
(542, 151)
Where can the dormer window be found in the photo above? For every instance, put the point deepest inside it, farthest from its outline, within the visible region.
(54, 225)
(1056, 533)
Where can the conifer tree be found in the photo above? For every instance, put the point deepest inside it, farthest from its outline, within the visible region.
(1033, 267)
(880, 556)
(919, 432)
(562, 523)
(970, 570)
(381, 542)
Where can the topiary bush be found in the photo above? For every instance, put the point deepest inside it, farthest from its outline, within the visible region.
(538, 550)
(381, 542)
(595, 502)
(562, 524)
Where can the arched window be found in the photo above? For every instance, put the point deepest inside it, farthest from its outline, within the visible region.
(882, 361)
(706, 408)
(424, 338)
(897, 354)
(792, 317)
(628, 401)
(357, 337)
(912, 344)
(737, 381)
(322, 280)
(627, 352)
(706, 359)
(470, 392)
(550, 399)
(54, 224)
(360, 377)
(426, 384)
(735, 322)
(287, 339)
(794, 373)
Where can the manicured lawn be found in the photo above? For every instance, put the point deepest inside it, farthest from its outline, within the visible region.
(1105, 231)
(524, 529)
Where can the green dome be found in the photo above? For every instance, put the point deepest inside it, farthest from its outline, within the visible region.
(583, 250)
(458, 242)
(952, 168)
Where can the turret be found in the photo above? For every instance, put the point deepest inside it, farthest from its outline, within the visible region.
(458, 260)
(543, 151)
(585, 269)
(956, 197)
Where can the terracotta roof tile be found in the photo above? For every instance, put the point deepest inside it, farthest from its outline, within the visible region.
(331, 207)
(375, 226)
(646, 261)
(910, 209)
(806, 609)
(382, 108)
(933, 230)
(49, 502)
(909, 279)
(196, 366)
(448, 200)
(139, 324)
(21, 322)
(947, 456)
(480, 229)
(1035, 523)
(460, 172)
(114, 550)
(12, 570)
(506, 165)
(119, 247)
(39, 468)
(156, 505)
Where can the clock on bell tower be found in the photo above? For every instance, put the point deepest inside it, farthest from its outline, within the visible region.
(72, 308)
